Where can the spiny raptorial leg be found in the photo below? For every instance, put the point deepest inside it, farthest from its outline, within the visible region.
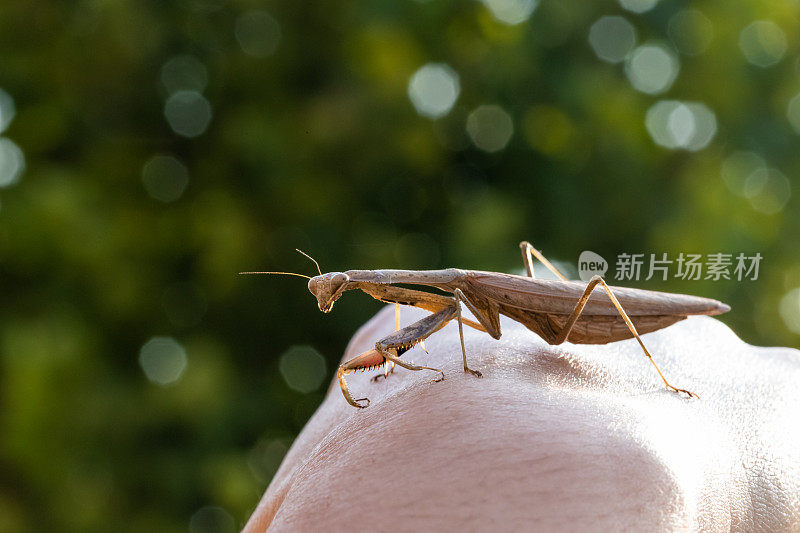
(385, 351)
(388, 368)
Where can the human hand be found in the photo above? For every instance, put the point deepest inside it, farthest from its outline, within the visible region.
(552, 438)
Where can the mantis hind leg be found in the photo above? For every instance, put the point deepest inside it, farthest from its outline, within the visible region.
(528, 252)
(573, 317)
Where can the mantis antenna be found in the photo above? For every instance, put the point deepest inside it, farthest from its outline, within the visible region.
(286, 273)
(315, 261)
(291, 273)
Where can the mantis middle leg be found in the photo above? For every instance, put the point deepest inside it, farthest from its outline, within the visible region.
(461, 298)
(388, 368)
(573, 317)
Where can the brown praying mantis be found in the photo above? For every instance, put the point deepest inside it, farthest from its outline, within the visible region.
(557, 310)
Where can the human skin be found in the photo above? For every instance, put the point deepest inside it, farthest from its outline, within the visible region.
(552, 438)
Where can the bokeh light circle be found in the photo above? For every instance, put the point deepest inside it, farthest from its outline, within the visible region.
(789, 309)
(265, 458)
(163, 360)
(188, 113)
(690, 31)
(739, 166)
(793, 112)
(433, 90)
(258, 33)
(184, 73)
(165, 178)
(652, 68)
(212, 519)
(511, 12)
(12, 162)
(763, 43)
(303, 368)
(638, 6)
(611, 38)
(490, 128)
(7, 110)
(681, 125)
(768, 190)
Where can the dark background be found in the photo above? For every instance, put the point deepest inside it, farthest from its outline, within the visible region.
(169, 145)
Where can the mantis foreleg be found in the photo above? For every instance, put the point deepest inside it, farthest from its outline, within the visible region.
(432, 302)
(390, 347)
(423, 300)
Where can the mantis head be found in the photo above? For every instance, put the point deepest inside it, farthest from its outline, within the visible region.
(327, 288)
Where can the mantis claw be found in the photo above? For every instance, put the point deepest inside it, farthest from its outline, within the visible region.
(437, 380)
(366, 360)
(688, 393)
(357, 404)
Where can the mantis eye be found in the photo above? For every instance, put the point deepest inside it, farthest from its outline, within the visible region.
(312, 285)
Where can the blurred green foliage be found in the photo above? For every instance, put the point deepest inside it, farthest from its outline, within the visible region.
(295, 129)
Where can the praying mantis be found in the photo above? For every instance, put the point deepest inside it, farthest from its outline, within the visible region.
(557, 310)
